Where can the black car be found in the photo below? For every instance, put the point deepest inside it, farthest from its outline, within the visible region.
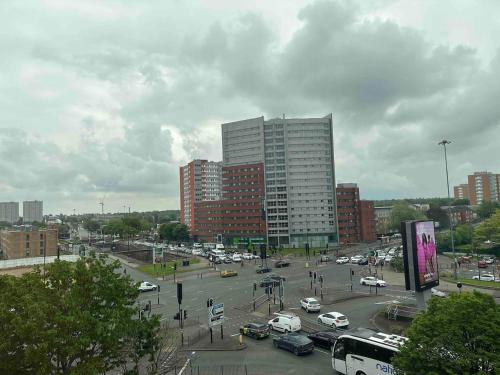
(263, 269)
(271, 280)
(227, 260)
(255, 330)
(363, 262)
(281, 264)
(324, 339)
(295, 343)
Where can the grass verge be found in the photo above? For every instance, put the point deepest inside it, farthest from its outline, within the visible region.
(470, 282)
(156, 270)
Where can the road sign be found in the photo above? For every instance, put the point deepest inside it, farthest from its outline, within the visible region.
(215, 314)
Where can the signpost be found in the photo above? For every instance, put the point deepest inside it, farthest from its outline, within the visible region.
(215, 317)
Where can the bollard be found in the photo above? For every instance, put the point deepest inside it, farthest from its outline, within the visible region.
(307, 264)
(241, 339)
(315, 292)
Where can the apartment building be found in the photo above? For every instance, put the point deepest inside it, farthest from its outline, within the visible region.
(32, 211)
(26, 241)
(348, 213)
(9, 212)
(368, 221)
(238, 217)
(383, 220)
(200, 180)
(480, 187)
(298, 159)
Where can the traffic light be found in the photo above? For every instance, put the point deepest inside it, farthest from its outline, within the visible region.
(310, 274)
(254, 286)
(177, 316)
(175, 266)
(307, 247)
(321, 278)
(185, 314)
(263, 254)
(210, 302)
(179, 293)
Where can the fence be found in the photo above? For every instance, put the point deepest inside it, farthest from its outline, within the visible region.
(27, 262)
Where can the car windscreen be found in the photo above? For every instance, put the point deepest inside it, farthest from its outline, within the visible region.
(341, 317)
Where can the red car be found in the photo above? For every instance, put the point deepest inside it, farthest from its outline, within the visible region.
(482, 264)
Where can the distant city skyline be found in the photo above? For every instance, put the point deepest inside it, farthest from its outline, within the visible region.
(105, 101)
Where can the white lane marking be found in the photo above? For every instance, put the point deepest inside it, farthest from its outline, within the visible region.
(185, 366)
(322, 351)
(235, 334)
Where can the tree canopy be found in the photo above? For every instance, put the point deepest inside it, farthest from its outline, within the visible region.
(78, 318)
(439, 215)
(489, 229)
(402, 212)
(487, 208)
(456, 335)
(174, 232)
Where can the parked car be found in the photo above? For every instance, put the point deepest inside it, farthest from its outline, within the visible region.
(196, 252)
(295, 343)
(285, 322)
(281, 264)
(228, 273)
(255, 330)
(482, 264)
(437, 293)
(486, 277)
(271, 280)
(263, 269)
(247, 256)
(342, 260)
(227, 260)
(334, 319)
(324, 339)
(325, 258)
(310, 304)
(489, 260)
(363, 261)
(356, 258)
(370, 280)
(146, 286)
(236, 257)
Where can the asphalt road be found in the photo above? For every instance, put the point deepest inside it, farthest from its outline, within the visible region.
(236, 293)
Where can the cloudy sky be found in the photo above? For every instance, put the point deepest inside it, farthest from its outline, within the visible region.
(105, 99)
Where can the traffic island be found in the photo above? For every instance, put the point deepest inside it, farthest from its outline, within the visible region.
(203, 343)
(395, 326)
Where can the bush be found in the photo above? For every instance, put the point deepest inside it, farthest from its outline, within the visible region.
(397, 264)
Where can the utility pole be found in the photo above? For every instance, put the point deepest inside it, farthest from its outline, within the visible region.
(443, 143)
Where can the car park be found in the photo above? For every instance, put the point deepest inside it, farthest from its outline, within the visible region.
(295, 343)
(271, 280)
(264, 269)
(281, 264)
(255, 330)
(228, 273)
(285, 322)
(324, 339)
(310, 304)
(342, 260)
(146, 286)
(334, 319)
(373, 281)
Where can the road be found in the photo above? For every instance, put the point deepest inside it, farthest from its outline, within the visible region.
(236, 293)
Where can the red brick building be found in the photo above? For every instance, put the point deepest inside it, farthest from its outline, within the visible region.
(368, 221)
(356, 218)
(238, 218)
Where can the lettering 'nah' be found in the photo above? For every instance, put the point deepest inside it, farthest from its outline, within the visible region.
(386, 369)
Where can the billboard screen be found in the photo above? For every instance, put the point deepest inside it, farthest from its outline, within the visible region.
(426, 267)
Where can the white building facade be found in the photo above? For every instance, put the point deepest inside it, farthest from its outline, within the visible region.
(32, 211)
(9, 212)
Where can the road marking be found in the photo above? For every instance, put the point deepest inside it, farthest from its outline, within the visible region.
(322, 351)
(235, 334)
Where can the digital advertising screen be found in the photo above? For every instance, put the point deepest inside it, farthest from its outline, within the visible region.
(426, 266)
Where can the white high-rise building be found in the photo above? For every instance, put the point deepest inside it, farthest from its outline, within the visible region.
(32, 211)
(9, 212)
(299, 175)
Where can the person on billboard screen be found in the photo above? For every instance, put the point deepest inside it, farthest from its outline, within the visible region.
(426, 252)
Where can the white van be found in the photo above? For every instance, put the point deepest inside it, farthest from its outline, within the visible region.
(219, 246)
(285, 322)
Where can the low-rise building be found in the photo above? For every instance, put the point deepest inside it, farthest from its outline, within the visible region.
(26, 241)
(460, 214)
(383, 219)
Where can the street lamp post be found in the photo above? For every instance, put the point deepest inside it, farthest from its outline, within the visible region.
(443, 143)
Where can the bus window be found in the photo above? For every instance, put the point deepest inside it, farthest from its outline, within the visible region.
(339, 352)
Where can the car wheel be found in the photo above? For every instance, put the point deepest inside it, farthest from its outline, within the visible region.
(360, 373)
(276, 344)
(296, 351)
(377, 285)
(320, 321)
(286, 331)
(363, 283)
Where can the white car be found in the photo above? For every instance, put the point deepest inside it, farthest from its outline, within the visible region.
(247, 256)
(370, 280)
(489, 260)
(356, 259)
(285, 322)
(334, 319)
(389, 258)
(342, 260)
(236, 257)
(146, 286)
(196, 252)
(437, 293)
(310, 304)
(486, 277)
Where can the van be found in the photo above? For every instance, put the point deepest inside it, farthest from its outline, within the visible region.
(219, 246)
(285, 322)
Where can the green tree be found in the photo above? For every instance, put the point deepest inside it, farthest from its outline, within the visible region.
(91, 225)
(63, 230)
(489, 230)
(174, 232)
(460, 202)
(439, 215)
(463, 234)
(456, 335)
(76, 318)
(402, 212)
(487, 208)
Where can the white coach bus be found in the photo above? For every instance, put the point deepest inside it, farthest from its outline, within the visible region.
(363, 351)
